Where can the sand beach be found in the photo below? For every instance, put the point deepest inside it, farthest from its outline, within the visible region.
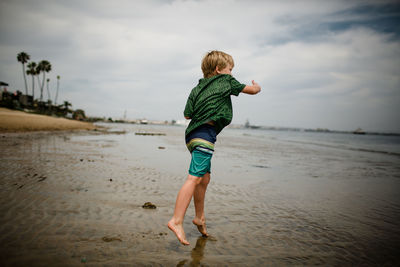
(75, 198)
(18, 121)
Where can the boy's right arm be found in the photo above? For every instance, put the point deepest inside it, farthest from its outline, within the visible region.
(252, 89)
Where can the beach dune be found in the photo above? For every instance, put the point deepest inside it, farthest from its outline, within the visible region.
(18, 121)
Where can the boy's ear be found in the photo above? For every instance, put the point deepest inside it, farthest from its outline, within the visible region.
(217, 70)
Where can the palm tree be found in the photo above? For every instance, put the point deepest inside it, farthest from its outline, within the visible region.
(37, 72)
(48, 91)
(66, 105)
(32, 71)
(44, 66)
(23, 58)
(58, 86)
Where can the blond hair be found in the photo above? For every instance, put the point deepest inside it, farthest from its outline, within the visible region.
(215, 59)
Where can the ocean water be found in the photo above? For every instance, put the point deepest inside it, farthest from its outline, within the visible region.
(296, 197)
(386, 144)
(256, 141)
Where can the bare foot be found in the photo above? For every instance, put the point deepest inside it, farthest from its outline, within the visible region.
(178, 231)
(201, 226)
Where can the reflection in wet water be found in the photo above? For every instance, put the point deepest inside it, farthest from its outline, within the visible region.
(197, 253)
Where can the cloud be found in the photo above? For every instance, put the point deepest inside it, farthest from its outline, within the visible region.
(332, 65)
(353, 72)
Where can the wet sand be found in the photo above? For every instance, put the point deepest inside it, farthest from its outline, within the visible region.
(76, 198)
(18, 121)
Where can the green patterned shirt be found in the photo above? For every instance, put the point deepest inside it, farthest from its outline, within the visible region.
(211, 100)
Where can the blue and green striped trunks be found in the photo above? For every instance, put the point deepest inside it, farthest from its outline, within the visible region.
(202, 137)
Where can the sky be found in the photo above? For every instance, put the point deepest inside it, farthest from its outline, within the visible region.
(321, 64)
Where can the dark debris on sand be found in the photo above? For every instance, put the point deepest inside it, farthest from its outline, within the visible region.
(149, 205)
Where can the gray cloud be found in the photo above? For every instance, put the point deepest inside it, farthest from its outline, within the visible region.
(332, 65)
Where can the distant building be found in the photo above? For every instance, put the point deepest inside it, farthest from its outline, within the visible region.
(3, 88)
(182, 122)
(26, 100)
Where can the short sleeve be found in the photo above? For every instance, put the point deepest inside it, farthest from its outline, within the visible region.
(236, 87)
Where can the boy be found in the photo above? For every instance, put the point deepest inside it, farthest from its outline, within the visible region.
(209, 108)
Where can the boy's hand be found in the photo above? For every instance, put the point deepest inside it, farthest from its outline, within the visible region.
(256, 85)
(252, 89)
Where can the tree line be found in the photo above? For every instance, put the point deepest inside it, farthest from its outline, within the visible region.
(34, 70)
(38, 71)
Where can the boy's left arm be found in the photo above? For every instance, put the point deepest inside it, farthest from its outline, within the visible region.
(252, 89)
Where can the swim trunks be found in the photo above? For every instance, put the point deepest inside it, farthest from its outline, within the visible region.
(201, 162)
(204, 136)
(200, 143)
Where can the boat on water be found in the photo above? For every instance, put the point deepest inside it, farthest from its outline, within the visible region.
(358, 131)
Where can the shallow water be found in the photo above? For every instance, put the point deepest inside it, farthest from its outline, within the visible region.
(276, 198)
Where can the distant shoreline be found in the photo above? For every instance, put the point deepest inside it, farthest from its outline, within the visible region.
(19, 121)
(260, 127)
(293, 129)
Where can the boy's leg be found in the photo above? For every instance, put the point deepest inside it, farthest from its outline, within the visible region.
(199, 197)
(182, 202)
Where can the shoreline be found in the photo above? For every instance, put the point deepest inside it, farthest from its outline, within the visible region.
(19, 121)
